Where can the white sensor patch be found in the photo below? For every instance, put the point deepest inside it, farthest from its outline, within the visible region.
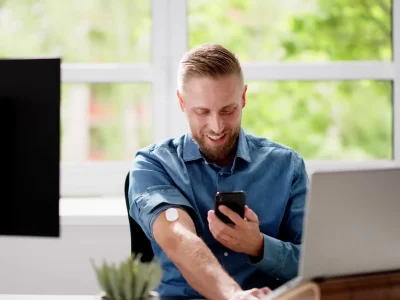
(171, 214)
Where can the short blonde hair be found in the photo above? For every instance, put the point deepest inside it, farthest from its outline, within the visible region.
(208, 60)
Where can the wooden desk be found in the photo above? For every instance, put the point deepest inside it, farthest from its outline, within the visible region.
(364, 287)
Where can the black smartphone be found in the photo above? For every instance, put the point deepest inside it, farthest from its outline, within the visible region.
(234, 200)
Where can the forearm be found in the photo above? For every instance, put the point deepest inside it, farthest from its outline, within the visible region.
(199, 266)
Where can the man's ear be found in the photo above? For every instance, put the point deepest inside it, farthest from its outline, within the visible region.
(180, 100)
(244, 96)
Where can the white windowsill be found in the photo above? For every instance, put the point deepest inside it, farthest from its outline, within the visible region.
(112, 210)
(93, 211)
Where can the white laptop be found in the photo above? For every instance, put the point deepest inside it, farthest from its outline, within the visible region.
(352, 225)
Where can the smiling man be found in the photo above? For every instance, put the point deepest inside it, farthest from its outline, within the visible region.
(174, 182)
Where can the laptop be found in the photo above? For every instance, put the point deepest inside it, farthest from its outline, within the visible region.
(351, 225)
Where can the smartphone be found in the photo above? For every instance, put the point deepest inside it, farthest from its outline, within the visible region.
(235, 200)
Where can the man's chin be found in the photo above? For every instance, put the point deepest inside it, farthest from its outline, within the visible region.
(215, 153)
(212, 156)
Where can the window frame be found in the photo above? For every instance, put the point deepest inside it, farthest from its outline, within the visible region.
(169, 40)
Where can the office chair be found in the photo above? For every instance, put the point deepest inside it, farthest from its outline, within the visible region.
(139, 241)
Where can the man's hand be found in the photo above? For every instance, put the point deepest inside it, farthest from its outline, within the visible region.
(252, 294)
(244, 236)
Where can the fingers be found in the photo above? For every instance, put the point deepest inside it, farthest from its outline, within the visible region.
(219, 229)
(259, 293)
(224, 239)
(266, 290)
(231, 215)
(254, 292)
(218, 224)
(250, 215)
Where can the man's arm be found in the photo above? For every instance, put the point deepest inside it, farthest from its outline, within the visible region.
(151, 193)
(280, 257)
(193, 258)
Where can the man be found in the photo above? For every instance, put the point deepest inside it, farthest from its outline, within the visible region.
(200, 255)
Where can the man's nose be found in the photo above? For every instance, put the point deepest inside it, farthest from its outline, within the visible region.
(216, 124)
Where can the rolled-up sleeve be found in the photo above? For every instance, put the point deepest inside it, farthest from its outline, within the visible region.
(151, 191)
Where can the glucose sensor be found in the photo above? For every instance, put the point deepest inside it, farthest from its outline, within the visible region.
(171, 214)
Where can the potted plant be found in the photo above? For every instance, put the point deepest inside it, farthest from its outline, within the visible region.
(131, 279)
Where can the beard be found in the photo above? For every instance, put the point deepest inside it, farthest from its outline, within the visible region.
(218, 152)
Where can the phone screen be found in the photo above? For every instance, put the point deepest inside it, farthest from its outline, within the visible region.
(235, 200)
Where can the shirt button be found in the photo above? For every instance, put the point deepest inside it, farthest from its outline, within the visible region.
(225, 253)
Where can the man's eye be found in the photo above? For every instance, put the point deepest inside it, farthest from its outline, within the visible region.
(228, 112)
(201, 112)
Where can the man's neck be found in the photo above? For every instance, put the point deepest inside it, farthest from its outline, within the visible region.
(226, 161)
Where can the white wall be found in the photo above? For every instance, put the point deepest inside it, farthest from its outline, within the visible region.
(60, 266)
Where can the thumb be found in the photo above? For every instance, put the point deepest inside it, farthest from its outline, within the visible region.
(250, 215)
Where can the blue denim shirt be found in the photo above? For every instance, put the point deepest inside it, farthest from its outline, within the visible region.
(174, 173)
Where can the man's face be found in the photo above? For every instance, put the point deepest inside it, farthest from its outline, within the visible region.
(213, 108)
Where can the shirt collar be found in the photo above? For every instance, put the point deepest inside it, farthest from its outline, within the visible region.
(191, 150)
(243, 147)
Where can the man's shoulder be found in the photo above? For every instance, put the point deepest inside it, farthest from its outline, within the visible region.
(266, 145)
(170, 145)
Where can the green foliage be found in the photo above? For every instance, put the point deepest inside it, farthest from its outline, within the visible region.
(130, 280)
(321, 120)
(89, 31)
(342, 30)
(79, 31)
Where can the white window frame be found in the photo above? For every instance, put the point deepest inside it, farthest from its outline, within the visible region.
(169, 41)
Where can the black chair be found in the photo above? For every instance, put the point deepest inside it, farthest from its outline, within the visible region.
(139, 241)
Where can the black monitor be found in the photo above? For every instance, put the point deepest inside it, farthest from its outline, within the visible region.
(30, 147)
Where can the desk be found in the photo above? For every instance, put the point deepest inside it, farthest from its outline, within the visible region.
(380, 286)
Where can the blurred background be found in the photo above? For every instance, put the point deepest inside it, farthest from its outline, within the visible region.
(120, 57)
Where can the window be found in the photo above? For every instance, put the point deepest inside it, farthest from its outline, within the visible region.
(311, 109)
(78, 31)
(294, 30)
(323, 75)
(341, 120)
(103, 122)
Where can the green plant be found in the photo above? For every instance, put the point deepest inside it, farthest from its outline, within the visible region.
(131, 279)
